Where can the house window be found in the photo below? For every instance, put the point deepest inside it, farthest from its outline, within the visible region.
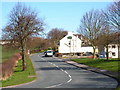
(83, 43)
(113, 46)
(113, 53)
(109, 46)
(69, 43)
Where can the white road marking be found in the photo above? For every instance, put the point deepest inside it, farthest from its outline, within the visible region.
(70, 78)
(60, 59)
(54, 85)
(65, 72)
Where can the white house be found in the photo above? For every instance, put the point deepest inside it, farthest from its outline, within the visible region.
(71, 43)
(112, 50)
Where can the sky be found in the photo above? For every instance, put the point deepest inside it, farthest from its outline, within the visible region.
(65, 15)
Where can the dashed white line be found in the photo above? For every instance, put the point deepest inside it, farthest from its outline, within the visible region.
(54, 85)
(66, 72)
(62, 70)
(70, 78)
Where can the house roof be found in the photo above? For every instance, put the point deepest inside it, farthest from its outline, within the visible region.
(80, 36)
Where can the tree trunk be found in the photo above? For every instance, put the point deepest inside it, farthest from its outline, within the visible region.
(94, 52)
(107, 53)
(23, 59)
(24, 55)
(118, 51)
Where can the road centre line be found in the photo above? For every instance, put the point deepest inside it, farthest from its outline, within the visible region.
(70, 78)
(55, 85)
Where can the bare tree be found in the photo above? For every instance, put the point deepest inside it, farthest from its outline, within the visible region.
(104, 39)
(23, 22)
(112, 15)
(37, 43)
(55, 35)
(114, 20)
(91, 26)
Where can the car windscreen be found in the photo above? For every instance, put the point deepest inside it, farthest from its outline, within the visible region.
(49, 51)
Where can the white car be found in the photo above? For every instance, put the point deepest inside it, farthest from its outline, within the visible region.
(49, 53)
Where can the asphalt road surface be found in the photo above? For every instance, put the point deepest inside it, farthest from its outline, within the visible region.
(55, 73)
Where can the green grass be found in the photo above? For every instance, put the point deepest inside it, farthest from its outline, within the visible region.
(118, 88)
(19, 76)
(7, 52)
(111, 65)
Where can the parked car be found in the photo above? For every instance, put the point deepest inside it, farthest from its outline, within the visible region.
(48, 53)
(87, 54)
(101, 56)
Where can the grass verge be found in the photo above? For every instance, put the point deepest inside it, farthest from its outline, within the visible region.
(7, 52)
(19, 76)
(111, 65)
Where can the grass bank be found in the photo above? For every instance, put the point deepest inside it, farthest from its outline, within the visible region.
(111, 65)
(7, 52)
(19, 76)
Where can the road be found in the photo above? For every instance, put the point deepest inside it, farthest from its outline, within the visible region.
(55, 73)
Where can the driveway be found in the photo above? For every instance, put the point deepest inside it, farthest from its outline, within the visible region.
(55, 73)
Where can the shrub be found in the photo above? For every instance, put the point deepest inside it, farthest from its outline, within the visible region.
(58, 54)
(8, 66)
(35, 51)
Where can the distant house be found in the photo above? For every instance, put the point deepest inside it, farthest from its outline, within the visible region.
(112, 50)
(73, 43)
(3, 42)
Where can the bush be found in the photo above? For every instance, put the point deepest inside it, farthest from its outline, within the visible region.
(8, 66)
(35, 51)
(19, 76)
(58, 54)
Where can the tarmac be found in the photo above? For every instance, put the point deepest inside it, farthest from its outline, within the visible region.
(112, 74)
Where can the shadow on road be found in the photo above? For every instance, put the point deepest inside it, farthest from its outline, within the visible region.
(50, 61)
(56, 68)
